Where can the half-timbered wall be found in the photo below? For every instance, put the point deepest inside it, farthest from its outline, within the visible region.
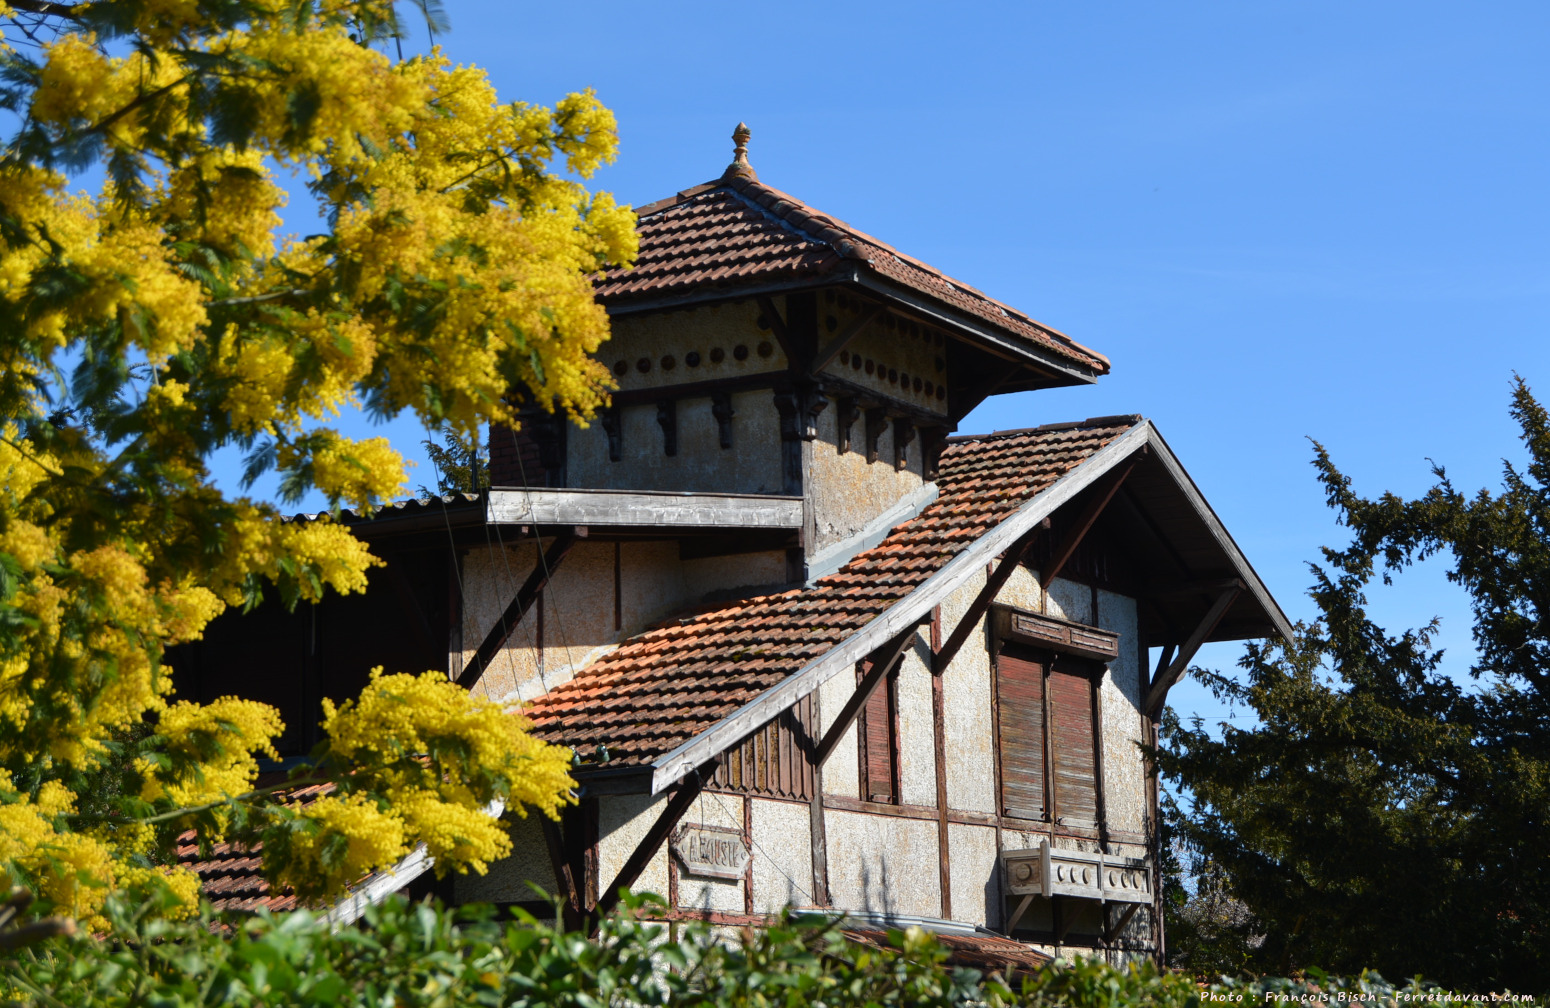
(602, 593)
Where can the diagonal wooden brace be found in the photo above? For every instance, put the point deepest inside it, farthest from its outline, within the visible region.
(677, 805)
(993, 585)
(1084, 522)
(526, 595)
(1174, 672)
(883, 660)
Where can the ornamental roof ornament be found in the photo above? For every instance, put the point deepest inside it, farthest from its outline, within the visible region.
(740, 168)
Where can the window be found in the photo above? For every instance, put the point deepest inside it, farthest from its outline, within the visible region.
(1046, 708)
(879, 739)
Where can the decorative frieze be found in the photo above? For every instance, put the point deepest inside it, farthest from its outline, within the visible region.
(1056, 871)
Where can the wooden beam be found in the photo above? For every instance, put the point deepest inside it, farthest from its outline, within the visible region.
(891, 653)
(778, 327)
(1017, 915)
(683, 796)
(1174, 672)
(976, 611)
(1084, 522)
(644, 509)
(939, 749)
(526, 595)
(819, 836)
(1111, 933)
(554, 841)
(832, 349)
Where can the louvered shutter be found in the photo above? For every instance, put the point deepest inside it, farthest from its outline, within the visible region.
(1020, 706)
(1073, 743)
(878, 729)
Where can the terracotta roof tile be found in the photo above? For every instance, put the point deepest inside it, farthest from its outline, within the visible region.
(983, 952)
(663, 687)
(232, 877)
(736, 231)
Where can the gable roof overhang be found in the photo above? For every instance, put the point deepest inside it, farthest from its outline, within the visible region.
(1163, 491)
(737, 238)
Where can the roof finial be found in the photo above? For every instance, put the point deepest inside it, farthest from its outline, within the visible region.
(740, 168)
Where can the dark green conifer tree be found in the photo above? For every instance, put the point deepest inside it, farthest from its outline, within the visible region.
(1380, 814)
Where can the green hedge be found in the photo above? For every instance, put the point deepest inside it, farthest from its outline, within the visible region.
(405, 954)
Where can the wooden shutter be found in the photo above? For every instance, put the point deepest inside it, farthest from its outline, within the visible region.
(1020, 707)
(879, 736)
(1073, 744)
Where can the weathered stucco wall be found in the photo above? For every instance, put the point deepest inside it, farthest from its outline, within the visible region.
(622, 822)
(709, 575)
(967, 718)
(726, 895)
(845, 491)
(842, 773)
(782, 855)
(1120, 697)
(751, 465)
(917, 743)
(894, 357)
(975, 884)
(713, 332)
(883, 864)
(578, 604)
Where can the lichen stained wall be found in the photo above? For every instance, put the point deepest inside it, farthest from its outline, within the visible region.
(751, 465)
(845, 491)
(883, 864)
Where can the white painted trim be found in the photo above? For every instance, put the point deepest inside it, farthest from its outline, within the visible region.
(379, 885)
(832, 558)
(908, 611)
(642, 509)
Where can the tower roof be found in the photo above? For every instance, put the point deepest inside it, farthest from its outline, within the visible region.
(736, 236)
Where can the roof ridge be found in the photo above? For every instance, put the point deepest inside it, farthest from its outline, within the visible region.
(849, 241)
(1128, 419)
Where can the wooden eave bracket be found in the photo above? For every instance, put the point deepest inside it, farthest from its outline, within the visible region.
(1164, 680)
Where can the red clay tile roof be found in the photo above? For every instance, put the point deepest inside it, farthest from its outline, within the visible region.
(740, 232)
(669, 684)
(982, 952)
(232, 877)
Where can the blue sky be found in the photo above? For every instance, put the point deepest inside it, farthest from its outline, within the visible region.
(1280, 221)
